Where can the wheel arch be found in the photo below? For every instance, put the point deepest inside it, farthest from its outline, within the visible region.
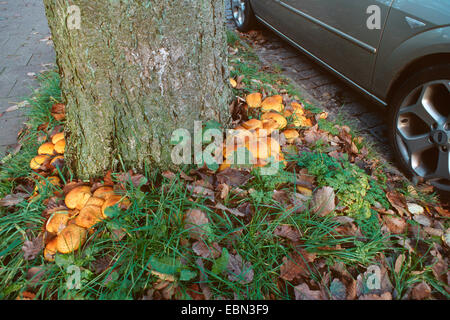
(413, 67)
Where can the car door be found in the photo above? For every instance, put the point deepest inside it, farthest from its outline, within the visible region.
(337, 32)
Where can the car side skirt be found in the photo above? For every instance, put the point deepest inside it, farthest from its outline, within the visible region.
(323, 63)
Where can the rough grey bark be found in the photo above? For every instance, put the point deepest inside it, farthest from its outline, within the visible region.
(133, 73)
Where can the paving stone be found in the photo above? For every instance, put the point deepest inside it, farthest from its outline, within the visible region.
(22, 25)
(372, 119)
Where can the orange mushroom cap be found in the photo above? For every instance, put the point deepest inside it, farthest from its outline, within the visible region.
(71, 238)
(254, 100)
(60, 146)
(89, 216)
(252, 124)
(282, 122)
(57, 137)
(113, 200)
(37, 161)
(104, 193)
(46, 148)
(50, 250)
(57, 222)
(273, 103)
(77, 197)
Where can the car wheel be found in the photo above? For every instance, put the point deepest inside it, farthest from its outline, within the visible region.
(420, 125)
(242, 14)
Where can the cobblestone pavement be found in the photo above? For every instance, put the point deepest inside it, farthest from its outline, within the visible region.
(23, 52)
(323, 88)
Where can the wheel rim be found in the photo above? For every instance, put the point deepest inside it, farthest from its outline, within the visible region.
(238, 8)
(423, 132)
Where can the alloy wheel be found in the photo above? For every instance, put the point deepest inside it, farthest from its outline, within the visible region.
(423, 132)
(238, 8)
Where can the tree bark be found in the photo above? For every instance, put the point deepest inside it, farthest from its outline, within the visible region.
(134, 72)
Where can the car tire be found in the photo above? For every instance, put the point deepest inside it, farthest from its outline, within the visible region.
(243, 15)
(420, 125)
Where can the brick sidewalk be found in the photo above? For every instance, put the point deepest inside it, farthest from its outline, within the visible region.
(22, 27)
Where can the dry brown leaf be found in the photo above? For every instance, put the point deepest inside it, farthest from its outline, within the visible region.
(13, 199)
(324, 201)
(421, 291)
(31, 249)
(395, 225)
(207, 251)
(233, 177)
(398, 201)
(295, 266)
(235, 212)
(303, 292)
(239, 270)
(197, 222)
(224, 190)
(384, 296)
(288, 232)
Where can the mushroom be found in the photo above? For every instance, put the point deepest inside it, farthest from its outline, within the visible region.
(298, 108)
(57, 222)
(43, 182)
(301, 121)
(46, 148)
(103, 192)
(282, 122)
(95, 201)
(268, 127)
(57, 161)
(57, 137)
(89, 216)
(71, 238)
(60, 146)
(233, 83)
(50, 250)
(113, 200)
(77, 197)
(252, 124)
(37, 161)
(273, 103)
(254, 100)
(290, 135)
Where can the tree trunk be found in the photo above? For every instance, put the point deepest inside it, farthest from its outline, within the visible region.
(135, 71)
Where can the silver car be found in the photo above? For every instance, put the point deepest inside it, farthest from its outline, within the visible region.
(395, 51)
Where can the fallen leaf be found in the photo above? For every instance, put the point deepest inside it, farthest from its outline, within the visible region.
(233, 177)
(235, 212)
(238, 270)
(338, 290)
(31, 249)
(303, 292)
(324, 201)
(224, 190)
(288, 232)
(197, 222)
(384, 296)
(398, 201)
(206, 251)
(136, 180)
(414, 208)
(422, 220)
(399, 263)
(295, 266)
(13, 199)
(395, 225)
(199, 191)
(421, 291)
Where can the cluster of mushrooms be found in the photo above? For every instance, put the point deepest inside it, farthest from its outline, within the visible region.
(50, 155)
(85, 209)
(69, 227)
(255, 135)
